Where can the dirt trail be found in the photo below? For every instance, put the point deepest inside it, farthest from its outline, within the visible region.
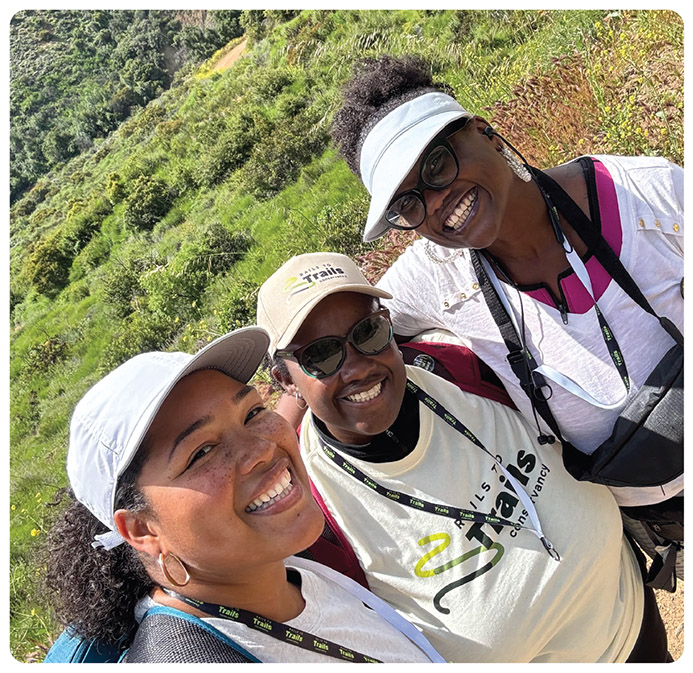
(232, 56)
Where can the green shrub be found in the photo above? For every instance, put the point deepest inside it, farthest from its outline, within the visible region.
(230, 151)
(115, 188)
(236, 303)
(92, 255)
(278, 158)
(252, 21)
(48, 266)
(43, 355)
(176, 288)
(81, 223)
(141, 332)
(148, 201)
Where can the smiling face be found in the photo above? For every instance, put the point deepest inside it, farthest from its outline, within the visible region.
(225, 481)
(364, 396)
(469, 213)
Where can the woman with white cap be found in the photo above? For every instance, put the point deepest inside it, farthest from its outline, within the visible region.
(190, 496)
(538, 272)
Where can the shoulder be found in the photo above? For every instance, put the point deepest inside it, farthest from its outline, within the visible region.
(167, 635)
(654, 182)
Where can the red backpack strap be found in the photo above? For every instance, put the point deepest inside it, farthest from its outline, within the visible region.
(459, 365)
(332, 548)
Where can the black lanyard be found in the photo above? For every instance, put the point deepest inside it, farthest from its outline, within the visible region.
(277, 630)
(459, 515)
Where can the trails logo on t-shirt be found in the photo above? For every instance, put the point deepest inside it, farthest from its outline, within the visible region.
(311, 277)
(484, 537)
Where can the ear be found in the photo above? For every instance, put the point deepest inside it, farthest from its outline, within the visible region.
(283, 378)
(485, 129)
(138, 531)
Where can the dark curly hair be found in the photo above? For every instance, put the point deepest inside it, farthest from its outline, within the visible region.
(94, 591)
(377, 87)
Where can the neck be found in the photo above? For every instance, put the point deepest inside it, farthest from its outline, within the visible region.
(526, 234)
(266, 591)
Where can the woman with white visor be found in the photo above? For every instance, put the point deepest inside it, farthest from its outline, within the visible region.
(531, 270)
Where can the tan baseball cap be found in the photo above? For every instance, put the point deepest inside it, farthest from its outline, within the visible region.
(295, 288)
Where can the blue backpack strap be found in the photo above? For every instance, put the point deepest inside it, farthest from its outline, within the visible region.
(167, 635)
(73, 649)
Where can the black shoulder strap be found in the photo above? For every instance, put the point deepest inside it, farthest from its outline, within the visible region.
(521, 361)
(593, 238)
(167, 639)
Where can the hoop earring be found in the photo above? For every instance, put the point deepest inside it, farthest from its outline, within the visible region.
(516, 166)
(167, 574)
(298, 397)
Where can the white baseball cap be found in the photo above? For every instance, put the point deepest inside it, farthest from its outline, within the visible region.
(111, 420)
(299, 285)
(394, 145)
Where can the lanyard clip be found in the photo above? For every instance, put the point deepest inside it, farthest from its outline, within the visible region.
(550, 548)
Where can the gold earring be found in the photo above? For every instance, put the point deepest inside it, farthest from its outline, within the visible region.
(298, 397)
(167, 574)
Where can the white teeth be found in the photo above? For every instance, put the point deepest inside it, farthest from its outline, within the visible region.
(367, 394)
(279, 491)
(459, 216)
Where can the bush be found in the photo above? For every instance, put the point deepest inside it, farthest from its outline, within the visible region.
(81, 224)
(48, 266)
(120, 284)
(148, 201)
(237, 304)
(230, 151)
(141, 332)
(115, 188)
(43, 355)
(176, 288)
(278, 158)
(92, 255)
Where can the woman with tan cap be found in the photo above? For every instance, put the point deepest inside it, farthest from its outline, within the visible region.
(190, 496)
(539, 273)
(458, 516)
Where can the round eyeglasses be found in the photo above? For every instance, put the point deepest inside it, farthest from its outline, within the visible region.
(437, 170)
(325, 356)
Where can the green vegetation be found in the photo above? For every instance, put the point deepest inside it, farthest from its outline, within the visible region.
(153, 228)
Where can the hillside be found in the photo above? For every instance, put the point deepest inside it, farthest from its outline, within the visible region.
(156, 231)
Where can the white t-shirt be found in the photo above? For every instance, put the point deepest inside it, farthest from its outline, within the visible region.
(481, 594)
(331, 613)
(641, 207)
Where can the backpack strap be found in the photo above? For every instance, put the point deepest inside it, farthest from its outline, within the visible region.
(70, 648)
(167, 635)
(332, 549)
(520, 359)
(459, 365)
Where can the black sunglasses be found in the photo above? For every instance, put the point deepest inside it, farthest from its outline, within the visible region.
(437, 170)
(324, 356)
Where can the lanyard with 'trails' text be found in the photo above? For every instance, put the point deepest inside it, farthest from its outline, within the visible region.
(459, 515)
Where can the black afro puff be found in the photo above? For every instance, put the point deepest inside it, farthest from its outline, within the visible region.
(377, 87)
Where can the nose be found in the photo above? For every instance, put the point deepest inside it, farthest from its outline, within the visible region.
(356, 365)
(256, 447)
(434, 200)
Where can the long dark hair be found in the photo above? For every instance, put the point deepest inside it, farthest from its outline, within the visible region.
(94, 591)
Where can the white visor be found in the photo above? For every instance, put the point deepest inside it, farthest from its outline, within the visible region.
(393, 147)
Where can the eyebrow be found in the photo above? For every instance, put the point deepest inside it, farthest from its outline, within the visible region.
(245, 390)
(200, 422)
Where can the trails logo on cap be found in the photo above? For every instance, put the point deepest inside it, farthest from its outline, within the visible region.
(311, 277)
